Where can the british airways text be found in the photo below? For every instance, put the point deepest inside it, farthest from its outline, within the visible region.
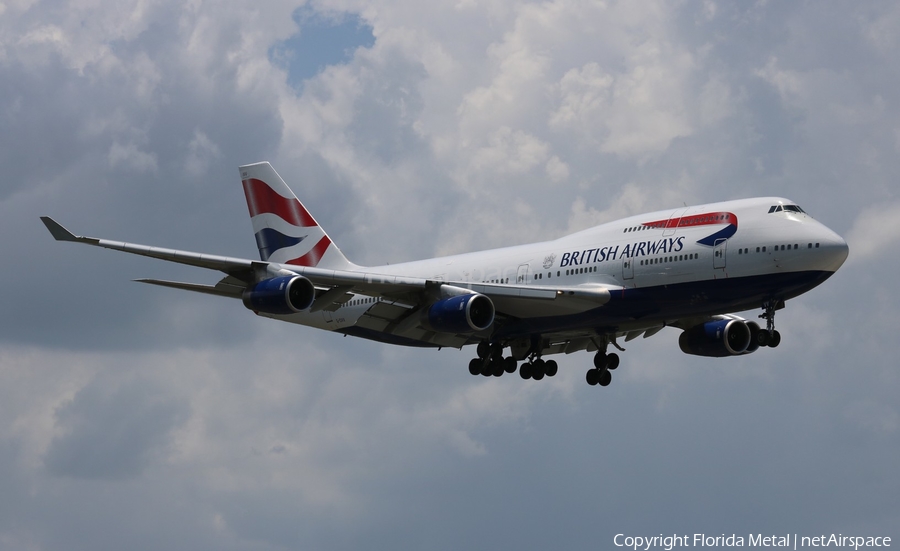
(631, 250)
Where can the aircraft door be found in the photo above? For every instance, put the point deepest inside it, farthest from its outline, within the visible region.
(522, 274)
(719, 253)
(627, 268)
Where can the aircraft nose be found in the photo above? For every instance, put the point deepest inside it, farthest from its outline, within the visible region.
(834, 251)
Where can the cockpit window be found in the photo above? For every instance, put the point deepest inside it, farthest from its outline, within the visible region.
(786, 208)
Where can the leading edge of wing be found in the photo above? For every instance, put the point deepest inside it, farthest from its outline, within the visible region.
(237, 267)
(362, 281)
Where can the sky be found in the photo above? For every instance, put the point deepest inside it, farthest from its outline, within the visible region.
(147, 418)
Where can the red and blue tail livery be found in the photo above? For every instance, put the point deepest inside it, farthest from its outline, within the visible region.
(285, 231)
(691, 269)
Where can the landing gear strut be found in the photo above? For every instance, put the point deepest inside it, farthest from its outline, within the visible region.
(770, 337)
(603, 364)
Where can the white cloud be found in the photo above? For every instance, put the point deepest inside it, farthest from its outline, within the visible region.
(129, 156)
(632, 200)
(557, 170)
(875, 233)
(510, 151)
(466, 125)
(201, 152)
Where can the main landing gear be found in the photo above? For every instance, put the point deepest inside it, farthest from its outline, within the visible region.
(491, 363)
(769, 336)
(603, 364)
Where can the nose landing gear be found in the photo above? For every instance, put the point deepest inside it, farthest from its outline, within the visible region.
(770, 337)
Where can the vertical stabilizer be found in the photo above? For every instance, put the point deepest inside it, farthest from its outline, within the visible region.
(285, 231)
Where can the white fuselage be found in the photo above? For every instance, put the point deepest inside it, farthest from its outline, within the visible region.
(706, 259)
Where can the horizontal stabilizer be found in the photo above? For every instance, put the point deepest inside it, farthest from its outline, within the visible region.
(220, 289)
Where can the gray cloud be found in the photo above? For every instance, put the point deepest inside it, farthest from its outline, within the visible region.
(138, 417)
(112, 429)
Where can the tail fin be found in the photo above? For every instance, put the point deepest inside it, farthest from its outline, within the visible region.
(285, 231)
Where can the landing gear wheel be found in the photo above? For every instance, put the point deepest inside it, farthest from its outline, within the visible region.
(510, 364)
(605, 378)
(487, 369)
(550, 368)
(537, 370)
(475, 366)
(769, 336)
(592, 376)
(525, 370)
(600, 360)
(612, 361)
(484, 349)
(497, 368)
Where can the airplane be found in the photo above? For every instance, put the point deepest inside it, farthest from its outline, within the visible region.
(687, 267)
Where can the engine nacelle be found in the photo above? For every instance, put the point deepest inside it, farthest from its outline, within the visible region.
(754, 331)
(280, 295)
(716, 339)
(468, 313)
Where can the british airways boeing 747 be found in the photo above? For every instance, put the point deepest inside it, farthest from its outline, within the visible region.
(689, 267)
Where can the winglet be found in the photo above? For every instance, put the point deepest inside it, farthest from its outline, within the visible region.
(57, 231)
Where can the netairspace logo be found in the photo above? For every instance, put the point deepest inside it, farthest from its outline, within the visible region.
(787, 541)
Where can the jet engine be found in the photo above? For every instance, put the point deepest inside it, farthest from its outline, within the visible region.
(754, 342)
(717, 339)
(467, 313)
(280, 295)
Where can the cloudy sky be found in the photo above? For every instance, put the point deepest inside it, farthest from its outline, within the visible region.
(134, 417)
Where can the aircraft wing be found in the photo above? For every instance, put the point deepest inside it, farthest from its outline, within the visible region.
(407, 295)
(241, 270)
